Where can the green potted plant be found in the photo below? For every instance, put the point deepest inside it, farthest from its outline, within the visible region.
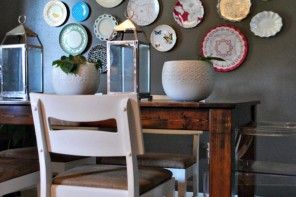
(75, 75)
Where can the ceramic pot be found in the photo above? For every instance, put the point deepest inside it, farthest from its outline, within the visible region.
(188, 80)
(86, 81)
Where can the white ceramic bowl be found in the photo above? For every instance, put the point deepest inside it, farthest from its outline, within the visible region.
(188, 80)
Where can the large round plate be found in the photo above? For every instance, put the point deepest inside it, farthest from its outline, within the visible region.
(73, 39)
(143, 12)
(55, 13)
(109, 3)
(80, 11)
(266, 24)
(227, 43)
(104, 26)
(163, 38)
(234, 10)
(188, 13)
(96, 53)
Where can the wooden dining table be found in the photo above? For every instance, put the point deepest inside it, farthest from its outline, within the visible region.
(220, 119)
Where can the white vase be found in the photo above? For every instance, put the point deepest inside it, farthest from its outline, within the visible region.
(86, 81)
(188, 80)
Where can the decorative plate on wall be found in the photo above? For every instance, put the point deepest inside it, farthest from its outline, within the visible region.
(109, 3)
(73, 39)
(80, 11)
(266, 24)
(163, 38)
(234, 10)
(188, 14)
(96, 53)
(143, 12)
(104, 26)
(55, 13)
(228, 43)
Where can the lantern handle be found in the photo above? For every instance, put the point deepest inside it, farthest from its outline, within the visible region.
(22, 19)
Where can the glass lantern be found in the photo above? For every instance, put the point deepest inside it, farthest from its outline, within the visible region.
(128, 65)
(21, 63)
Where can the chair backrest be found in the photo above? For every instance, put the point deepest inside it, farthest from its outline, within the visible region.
(127, 141)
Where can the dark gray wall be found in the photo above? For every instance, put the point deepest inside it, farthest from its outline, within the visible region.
(268, 74)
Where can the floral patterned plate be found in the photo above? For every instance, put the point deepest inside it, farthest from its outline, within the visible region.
(188, 13)
(163, 38)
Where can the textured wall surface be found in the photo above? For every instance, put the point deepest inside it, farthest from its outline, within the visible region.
(268, 74)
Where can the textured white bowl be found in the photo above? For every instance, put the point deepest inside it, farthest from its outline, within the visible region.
(86, 81)
(188, 80)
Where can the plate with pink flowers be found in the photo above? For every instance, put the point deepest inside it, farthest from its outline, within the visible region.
(188, 13)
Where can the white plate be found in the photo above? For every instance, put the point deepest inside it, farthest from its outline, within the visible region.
(266, 24)
(104, 26)
(143, 12)
(73, 39)
(188, 13)
(163, 38)
(55, 13)
(109, 3)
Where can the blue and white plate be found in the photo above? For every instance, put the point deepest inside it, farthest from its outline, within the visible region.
(73, 39)
(104, 26)
(80, 11)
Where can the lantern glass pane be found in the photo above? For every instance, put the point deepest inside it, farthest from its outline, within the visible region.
(12, 73)
(144, 68)
(122, 68)
(35, 69)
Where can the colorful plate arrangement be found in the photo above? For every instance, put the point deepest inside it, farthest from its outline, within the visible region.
(266, 24)
(73, 39)
(143, 12)
(227, 43)
(188, 14)
(104, 26)
(96, 53)
(55, 13)
(109, 3)
(163, 38)
(80, 11)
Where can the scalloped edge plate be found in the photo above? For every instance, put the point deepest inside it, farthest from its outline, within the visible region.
(109, 24)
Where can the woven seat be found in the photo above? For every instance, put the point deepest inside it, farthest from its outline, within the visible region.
(111, 177)
(161, 160)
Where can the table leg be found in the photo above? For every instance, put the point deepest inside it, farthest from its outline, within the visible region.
(220, 126)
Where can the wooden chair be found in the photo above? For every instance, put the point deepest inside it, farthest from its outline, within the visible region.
(93, 180)
(183, 167)
(17, 174)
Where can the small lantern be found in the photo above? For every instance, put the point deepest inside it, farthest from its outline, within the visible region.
(128, 63)
(21, 63)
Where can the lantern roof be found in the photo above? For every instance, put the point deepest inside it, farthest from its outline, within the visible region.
(21, 30)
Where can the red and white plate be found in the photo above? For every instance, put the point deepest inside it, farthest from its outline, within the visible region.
(188, 13)
(228, 43)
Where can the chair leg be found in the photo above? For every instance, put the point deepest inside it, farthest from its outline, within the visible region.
(182, 188)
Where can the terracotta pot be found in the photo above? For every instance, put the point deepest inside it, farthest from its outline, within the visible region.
(188, 80)
(86, 81)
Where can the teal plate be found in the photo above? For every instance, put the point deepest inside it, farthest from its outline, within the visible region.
(73, 39)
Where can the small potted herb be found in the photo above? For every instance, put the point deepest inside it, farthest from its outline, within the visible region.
(75, 75)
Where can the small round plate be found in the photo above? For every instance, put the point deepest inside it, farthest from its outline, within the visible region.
(188, 14)
(80, 11)
(234, 10)
(228, 43)
(109, 3)
(55, 13)
(98, 52)
(73, 39)
(143, 12)
(104, 26)
(266, 24)
(163, 38)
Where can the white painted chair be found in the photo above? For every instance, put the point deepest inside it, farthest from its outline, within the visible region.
(17, 174)
(94, 180)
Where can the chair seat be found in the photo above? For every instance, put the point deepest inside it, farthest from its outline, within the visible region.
(111, 177)
(161, 160)
(32, 153)
(11, 168)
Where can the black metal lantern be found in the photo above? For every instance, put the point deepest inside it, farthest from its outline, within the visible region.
(21, 63)
(128, 63)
